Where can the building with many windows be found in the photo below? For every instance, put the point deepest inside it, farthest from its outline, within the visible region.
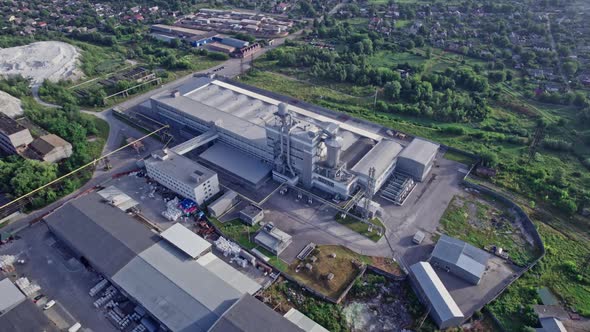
(182, 175)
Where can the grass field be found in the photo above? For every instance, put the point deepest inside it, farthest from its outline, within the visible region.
(390, 59)
(459, 157)
(361, 227)
(342, 266)
(564, 270)
(483, 223)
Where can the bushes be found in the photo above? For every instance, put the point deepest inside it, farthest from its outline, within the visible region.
(217, 56)
(453, 130)
(17, 86)
(557, 144)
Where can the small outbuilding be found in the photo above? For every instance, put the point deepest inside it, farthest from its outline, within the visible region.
(223, 203)
(251, 214)
(460, 258)
(273, 239)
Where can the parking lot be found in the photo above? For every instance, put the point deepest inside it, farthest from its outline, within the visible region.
(61, 277)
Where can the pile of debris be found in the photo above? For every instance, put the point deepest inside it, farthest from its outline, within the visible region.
(172, 212)
(227, 247)
(26, 286)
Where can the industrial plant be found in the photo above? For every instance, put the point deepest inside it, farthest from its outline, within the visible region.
(254, 136)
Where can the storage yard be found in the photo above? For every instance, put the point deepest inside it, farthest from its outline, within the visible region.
(50, 60)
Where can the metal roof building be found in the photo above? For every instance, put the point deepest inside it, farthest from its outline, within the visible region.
(551, 324)
(158, 272)
(250, 315)
(382, 157)
(88, 226)
(460, 258)
(435, 296)
(10, 296)
(304, 322)
(273, 239)
(186, 240)
(223, 203)
(183, 294)
(417, 158)
(253, 171)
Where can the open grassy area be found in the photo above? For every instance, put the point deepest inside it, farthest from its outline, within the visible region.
(361, 227)
(345, 267)
(389, 59)
(564, 270)
(483, 223)
(459, 157)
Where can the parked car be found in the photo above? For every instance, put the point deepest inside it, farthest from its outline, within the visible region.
(49, 304)
(38, 297)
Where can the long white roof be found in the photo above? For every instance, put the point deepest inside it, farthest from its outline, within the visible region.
(438, 296)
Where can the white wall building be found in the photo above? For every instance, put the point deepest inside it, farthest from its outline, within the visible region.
(182, 175)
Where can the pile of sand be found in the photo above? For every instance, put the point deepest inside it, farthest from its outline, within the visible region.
(10, 105)
(42, 60)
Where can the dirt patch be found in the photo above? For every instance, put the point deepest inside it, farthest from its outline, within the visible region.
(387, 265)
(328, 270)
(10, 105)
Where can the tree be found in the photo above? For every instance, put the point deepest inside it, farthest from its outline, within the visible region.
(392, 90)
(570, 67)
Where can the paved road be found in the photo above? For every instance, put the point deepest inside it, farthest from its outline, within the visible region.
(35, 90)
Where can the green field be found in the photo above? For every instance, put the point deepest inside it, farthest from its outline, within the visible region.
(389, 59)
(485, 223)
(361, 227)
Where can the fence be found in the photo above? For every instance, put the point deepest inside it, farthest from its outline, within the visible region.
(529, 227)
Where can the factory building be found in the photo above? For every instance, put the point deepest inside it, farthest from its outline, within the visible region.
(182, 175)
(171, 275)
(417, 158)
(433, 294)
(258, 136)
(12, 135)
(460, 258)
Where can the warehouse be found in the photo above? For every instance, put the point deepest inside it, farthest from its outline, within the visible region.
(417, 158)
(182, 175)
(223, 203)
(172, 275)
(250, 315)
(17, 314)
(435, 296)
(262, 136)
(460, 258)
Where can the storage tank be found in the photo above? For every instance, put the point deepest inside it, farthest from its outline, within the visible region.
(334, 147)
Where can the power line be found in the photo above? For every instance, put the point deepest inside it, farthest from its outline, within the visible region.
(80, 168)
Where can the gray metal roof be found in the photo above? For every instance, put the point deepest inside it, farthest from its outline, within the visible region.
(438, 296)
(193, 108)
(223, 203)
(26, 317)
(552, 324)
(461, 254)
(184, 294)
(304, 322)
(181, 168)
(237, 162)
(420, 150)
(381, 156)
(272, 238)
(9, 295)
(90, 226)
(250, 315)
(186, 240)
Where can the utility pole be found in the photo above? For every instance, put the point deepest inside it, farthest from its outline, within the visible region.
(375, 101)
